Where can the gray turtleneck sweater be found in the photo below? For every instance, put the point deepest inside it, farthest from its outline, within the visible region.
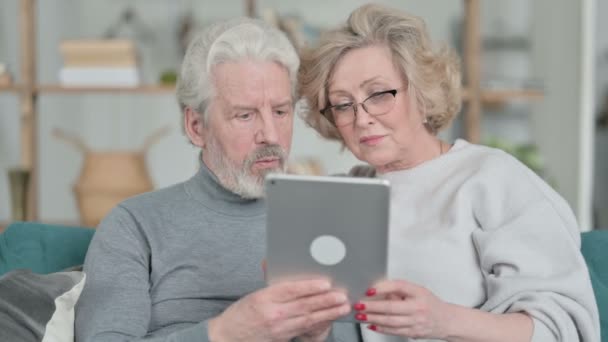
(163, 263)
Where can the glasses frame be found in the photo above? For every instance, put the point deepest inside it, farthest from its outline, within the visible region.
(327, 111)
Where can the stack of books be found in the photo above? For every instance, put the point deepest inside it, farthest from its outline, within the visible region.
(5, 77)
(99, 63)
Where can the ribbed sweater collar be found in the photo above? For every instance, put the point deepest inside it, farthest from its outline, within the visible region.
(206, 188)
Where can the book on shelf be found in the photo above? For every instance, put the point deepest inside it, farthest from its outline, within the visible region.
(99, 60)
(99, 63)
(99, 77)
(103, 52)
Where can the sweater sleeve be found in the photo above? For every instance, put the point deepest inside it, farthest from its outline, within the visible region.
(344, 332)
(529, 250)
(115, 303)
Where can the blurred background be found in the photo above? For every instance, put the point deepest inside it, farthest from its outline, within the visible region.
(537, 75)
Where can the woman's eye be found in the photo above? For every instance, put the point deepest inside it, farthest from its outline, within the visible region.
(342, 107)
(380, 96)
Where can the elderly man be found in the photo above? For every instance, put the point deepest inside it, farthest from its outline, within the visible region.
(184, 263)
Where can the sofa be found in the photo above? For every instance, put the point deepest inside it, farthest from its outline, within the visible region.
(594, 246)
(43, 248)
(40, 281)
(46, 249)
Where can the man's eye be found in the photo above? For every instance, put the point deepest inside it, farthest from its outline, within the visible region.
(244, 116)
(280, 113)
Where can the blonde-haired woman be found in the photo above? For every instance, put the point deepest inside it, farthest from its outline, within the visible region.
(480, 249)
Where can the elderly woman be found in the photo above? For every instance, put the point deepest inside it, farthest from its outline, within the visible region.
(480, 248)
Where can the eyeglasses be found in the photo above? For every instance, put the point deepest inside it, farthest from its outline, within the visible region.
(376, 104)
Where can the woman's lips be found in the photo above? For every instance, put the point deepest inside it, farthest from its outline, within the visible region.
(371, 140)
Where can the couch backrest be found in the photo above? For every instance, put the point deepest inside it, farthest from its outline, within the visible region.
(594, 247)
(46, 248)
(43, 248)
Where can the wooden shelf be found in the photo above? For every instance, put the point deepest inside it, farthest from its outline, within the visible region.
(10, 88)
(501, 96)
(147, 89)
(57, 88)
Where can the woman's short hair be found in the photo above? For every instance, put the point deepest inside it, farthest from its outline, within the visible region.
(228, 41)
(434, 75)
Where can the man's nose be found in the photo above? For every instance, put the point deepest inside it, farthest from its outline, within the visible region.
(267, 130)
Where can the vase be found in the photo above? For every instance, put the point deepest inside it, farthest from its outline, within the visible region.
(109, 177)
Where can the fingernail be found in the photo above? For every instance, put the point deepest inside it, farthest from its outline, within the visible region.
(341, 298)
(361, 317)
(324, 285)
(370, 292)
(372, 327)
(359, 306)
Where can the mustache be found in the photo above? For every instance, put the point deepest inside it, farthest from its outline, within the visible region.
(268, 151)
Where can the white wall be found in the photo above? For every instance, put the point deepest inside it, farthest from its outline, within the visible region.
(601, 137)
(558, 119)
(122, 122)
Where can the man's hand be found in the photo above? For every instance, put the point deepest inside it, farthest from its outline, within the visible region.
(316, 334)
(280, 312)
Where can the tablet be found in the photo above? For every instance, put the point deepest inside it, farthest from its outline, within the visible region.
(329, 226)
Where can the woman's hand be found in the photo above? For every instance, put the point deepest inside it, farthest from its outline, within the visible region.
(398, 307)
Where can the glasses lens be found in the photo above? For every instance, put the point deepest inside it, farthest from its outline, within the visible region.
(377, 104)
(343, 114)
(380, 103)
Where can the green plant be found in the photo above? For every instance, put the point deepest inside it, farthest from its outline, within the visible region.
(526, 153)
(168, 77)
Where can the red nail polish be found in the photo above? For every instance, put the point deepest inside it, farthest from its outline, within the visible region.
(361, 317)
(370, 292)
(359, 306)
(372, 327)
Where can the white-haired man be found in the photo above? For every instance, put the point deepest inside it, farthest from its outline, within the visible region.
(184, 263)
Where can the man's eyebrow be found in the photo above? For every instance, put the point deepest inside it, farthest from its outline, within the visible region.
(246, 107)
(241, 107)
(283, 104)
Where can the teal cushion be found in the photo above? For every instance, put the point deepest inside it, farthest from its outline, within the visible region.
(595, 250)
(42, 248)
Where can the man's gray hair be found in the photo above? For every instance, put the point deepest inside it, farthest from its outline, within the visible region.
(229, 41)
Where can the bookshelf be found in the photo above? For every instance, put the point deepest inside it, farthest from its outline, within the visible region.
(146, 89)
(499, 97)
(10, 89)
(28, 90)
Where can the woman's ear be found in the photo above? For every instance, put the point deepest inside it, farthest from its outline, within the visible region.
(194, 125)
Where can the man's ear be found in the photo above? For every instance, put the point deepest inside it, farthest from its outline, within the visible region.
(194, 125)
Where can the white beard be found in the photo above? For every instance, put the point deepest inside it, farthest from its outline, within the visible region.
(239, 178)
